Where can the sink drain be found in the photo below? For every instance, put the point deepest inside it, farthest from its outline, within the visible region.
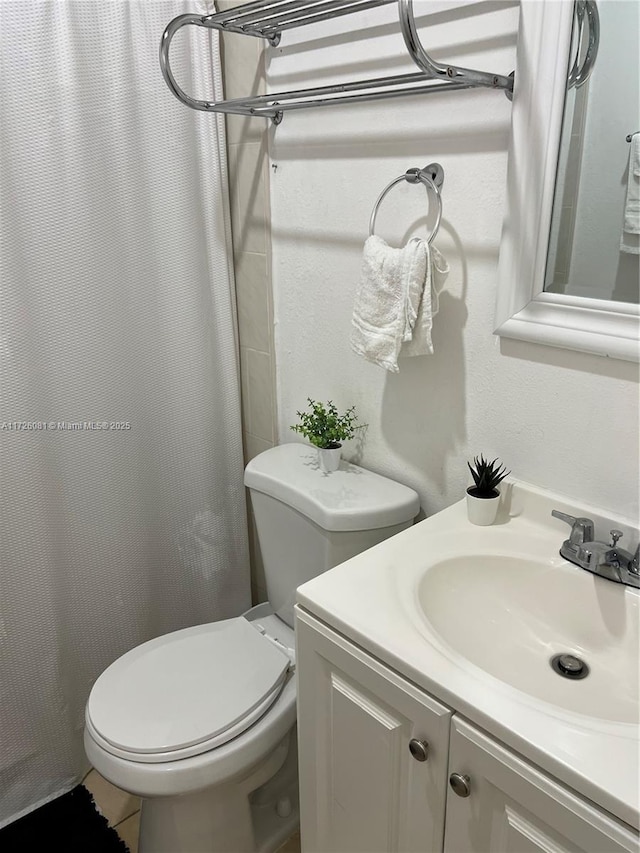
(569, 666)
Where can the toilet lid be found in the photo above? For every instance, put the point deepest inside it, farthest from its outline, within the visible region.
(186, 688)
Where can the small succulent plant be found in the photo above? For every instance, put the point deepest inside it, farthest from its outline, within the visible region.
(487, 476)
(324, 426)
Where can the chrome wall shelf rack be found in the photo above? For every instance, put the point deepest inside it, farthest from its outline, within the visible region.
(268, 19)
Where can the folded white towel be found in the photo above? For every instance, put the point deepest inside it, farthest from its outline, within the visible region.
(420, 342)
(630, 240)
(396, 301)
(388, 299)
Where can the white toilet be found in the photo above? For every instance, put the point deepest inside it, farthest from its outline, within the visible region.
(200, 723)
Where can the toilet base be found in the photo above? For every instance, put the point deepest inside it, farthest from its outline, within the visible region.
(195, 823)
(273, 822)
(241, 817)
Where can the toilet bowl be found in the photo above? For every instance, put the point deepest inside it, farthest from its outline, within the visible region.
(200, 723)
(196, 797)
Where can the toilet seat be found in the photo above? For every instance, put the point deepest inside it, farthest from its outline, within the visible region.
(187, 692)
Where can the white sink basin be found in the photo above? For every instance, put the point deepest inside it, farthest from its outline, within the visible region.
(510, 615)
(473, 615)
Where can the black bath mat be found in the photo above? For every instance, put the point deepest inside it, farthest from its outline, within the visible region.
(68, 824)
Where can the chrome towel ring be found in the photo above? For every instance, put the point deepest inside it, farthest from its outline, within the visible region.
(432, 177)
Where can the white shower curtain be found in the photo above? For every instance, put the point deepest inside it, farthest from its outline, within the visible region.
(122, 506)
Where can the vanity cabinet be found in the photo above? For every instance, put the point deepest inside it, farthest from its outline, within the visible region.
(361, 788)
(382, 764)
(512, 807)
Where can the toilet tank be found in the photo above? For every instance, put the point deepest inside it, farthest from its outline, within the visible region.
(308, 521)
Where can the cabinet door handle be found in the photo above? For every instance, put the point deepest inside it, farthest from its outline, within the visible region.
(461, 784)
(419, 749)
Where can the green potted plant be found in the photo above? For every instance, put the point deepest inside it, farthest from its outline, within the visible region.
(326, 429)
(483, 497)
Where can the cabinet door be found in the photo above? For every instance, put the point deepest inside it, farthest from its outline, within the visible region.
(361, 789)
(512, 807)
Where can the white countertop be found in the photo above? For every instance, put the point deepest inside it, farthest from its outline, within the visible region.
(371, 600)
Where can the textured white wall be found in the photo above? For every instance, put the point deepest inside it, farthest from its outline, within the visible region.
(562, 420)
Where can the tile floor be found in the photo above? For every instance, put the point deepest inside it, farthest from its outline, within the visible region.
(122, 810)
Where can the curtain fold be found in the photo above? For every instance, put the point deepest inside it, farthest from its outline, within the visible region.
(122, 507)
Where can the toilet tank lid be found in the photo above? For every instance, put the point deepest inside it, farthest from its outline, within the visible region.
(350, 498)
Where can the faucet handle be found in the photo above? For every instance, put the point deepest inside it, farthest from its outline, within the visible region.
(581, 528)
(615, 535)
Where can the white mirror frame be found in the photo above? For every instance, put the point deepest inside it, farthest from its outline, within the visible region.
(523, 310)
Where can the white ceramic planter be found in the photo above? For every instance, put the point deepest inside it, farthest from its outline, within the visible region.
(329, 458)
(482, 511)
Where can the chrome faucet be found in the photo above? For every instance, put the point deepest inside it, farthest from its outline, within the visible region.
(607, 561)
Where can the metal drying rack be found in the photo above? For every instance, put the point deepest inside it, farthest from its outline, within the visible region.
(267, 19)
(587, 28)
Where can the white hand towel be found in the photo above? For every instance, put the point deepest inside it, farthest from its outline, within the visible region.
(630, 240)
(388, 299)
(437, 271)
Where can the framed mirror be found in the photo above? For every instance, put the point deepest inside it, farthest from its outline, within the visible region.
(559, 316)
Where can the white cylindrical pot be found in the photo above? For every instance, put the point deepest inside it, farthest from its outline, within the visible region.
(329, 458)
(482, 511)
